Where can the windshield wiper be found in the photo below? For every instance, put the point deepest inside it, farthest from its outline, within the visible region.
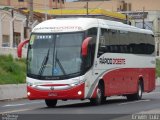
(60, 65)
(45, 60)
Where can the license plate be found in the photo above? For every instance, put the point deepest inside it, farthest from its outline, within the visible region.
(52, 94)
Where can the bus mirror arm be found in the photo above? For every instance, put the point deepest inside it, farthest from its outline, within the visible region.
(19, 49)
(85, 46)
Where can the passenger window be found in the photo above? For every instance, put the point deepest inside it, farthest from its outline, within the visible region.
(119, 41)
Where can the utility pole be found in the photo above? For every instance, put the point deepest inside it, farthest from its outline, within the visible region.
(45, 9)
(143, 23)
(30, 5)
(87, 8)
(12, 14)
(60, 5)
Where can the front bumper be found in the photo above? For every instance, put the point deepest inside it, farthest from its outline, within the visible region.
(76, 92)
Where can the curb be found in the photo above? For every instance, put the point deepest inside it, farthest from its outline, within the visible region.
(158, 82)
(13, 91)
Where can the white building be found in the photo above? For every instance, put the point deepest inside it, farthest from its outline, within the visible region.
(12, 31)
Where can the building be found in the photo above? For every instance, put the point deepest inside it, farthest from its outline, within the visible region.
(37, 4)
(14, 23)
(144, 13)
(147, 20)
(118, 5)
(94, 13)
(14, 28)
(12, 31)
(113, 5)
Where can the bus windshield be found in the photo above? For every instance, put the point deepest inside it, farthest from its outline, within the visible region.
(53, 56)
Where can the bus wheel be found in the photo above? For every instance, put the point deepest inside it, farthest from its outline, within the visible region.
(98, 100)
(138, 95)
(51, 103)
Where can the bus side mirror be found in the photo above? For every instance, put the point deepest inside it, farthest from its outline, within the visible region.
(19, 49)
(85, 46)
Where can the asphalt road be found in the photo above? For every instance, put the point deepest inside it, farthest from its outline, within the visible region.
(115, 108)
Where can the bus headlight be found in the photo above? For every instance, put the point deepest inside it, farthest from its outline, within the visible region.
(28, 93)
(79, 92)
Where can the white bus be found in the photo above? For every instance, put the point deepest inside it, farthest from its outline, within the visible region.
(88, 58)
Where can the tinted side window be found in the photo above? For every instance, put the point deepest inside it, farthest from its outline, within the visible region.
(103, 42)
(108, 41)
(150, 44)
(114, 41)
(92, 31)
(141, 43)
(124, 42)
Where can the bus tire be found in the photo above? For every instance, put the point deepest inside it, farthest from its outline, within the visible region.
(99, 98)
(138, 95)
(51, 103)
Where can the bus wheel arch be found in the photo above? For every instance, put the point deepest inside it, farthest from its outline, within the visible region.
(140, 89)
(100, 98)
(103, 88)
(138, 94)
(141, 81)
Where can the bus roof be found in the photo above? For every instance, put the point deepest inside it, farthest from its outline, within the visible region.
(80, 24)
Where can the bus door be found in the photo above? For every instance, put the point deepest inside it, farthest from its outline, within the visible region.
(89, 59)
